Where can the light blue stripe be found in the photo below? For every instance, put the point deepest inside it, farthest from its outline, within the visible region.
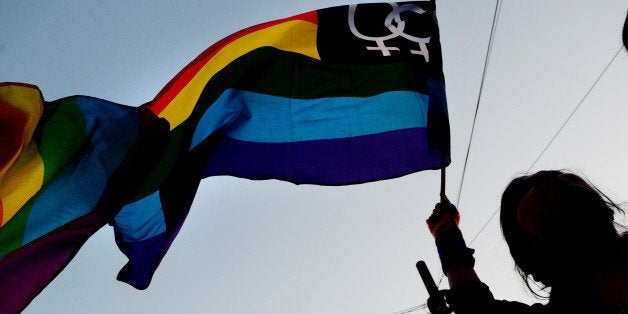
(141, 220)
(112, 130)
(254, 117)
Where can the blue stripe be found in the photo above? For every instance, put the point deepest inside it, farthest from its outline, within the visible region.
(141, 220)
(254, 117)
(112, 130)
(144, 256)
(327, 162)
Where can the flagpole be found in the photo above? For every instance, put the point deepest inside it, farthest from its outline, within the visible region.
(443, 176)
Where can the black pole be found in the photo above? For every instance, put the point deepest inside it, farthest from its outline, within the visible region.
(436, 302)
(426, 276)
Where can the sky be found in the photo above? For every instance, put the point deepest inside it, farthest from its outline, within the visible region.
(273, 247)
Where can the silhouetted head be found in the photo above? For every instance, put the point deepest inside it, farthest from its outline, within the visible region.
(555, 224)
(625, 33)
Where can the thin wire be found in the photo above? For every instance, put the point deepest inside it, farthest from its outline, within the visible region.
(579, 104)
(484, 226)
(477, 105)
(489, 49)
(412, 309)
(576, 108)
(586, 95)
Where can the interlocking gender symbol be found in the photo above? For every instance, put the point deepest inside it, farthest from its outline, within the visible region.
(396, 30)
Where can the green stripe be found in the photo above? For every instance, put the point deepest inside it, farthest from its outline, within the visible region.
(274, 72)
(279, 73)
(60, 138)
(12, 233)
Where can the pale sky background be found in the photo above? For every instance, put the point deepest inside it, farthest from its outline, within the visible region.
(273, 247)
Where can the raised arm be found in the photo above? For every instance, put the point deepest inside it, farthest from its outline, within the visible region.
(467, 293)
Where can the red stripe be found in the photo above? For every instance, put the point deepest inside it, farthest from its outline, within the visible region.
(13, 123)
(18, 84)
(167, 94)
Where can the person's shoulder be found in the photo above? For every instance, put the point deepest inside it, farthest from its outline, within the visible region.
(577, 299)
(476, 297)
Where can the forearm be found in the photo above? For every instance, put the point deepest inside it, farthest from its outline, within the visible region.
(456, 258)
(457, 274)
(466, 294)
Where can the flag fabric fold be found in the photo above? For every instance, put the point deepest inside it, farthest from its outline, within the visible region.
(81, 160)
(336, 96)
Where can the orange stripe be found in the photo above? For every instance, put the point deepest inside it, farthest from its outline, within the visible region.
(21, 108)
(296, 36)
(169, 92)
(22, 176)
(13, 132)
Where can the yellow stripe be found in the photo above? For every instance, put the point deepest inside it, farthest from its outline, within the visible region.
(23, 176)
(22, 182)
(294, 36)
(28, 100)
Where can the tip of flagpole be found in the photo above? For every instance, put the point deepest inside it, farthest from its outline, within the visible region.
(443, 197)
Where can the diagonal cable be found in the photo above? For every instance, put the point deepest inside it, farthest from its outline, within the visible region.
(575, 109)
(487, 59)
(412, 309)
(477, 105)
(578, 105)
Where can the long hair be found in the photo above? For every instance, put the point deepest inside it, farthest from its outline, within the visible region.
(574, 224)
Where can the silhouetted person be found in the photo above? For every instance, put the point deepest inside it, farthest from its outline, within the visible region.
(561, 233)
(625, 33)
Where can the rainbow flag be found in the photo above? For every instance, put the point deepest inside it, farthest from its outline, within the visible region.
(66, 169)
(336, 96)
